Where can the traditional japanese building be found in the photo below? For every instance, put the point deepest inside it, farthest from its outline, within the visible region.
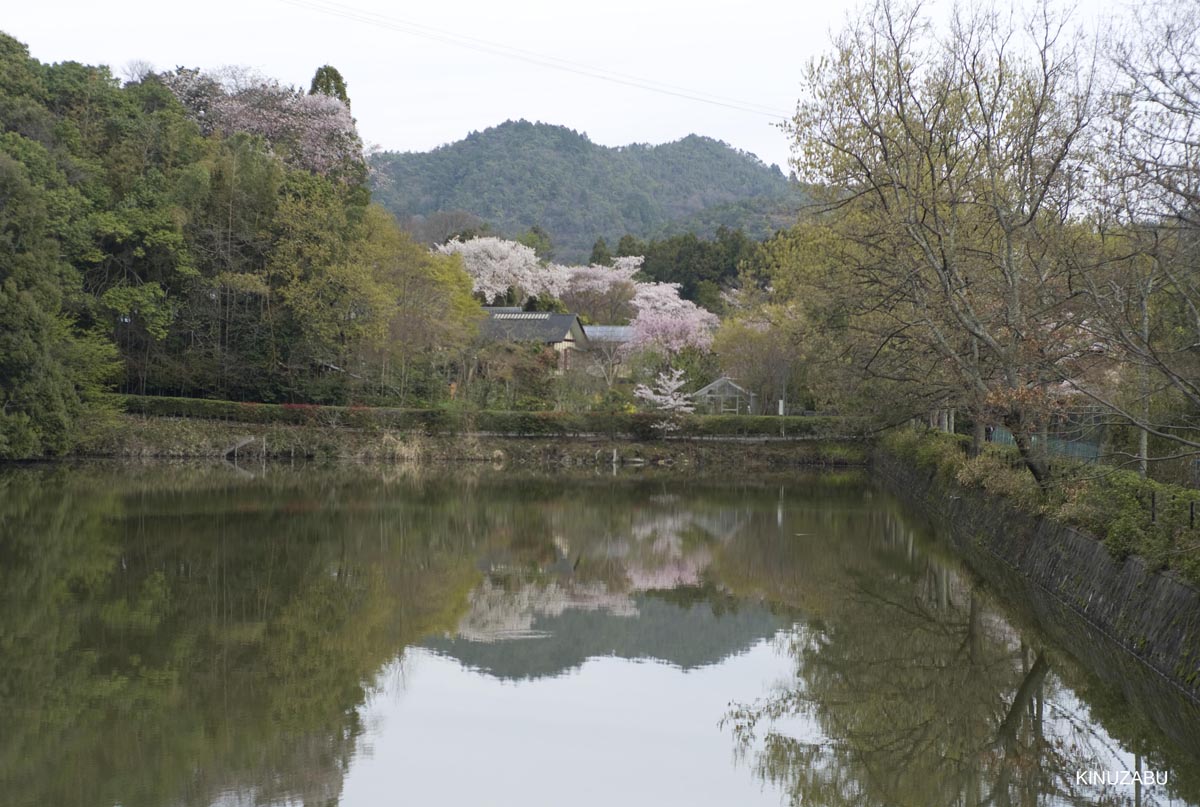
(562, 332)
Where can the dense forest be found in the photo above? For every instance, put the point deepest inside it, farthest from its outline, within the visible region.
(758, 218)
(202, 235)
(520, 174)
(211, 235)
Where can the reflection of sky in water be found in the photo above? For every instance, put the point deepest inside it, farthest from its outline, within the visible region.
(615, 730)
(1067, 724)
(564, 692)
(612, 731)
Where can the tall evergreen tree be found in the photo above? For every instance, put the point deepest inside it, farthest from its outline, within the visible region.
(328, 81)
(601, 254)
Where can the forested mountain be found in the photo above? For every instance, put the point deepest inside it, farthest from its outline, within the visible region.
(758, 218)
(521, 174)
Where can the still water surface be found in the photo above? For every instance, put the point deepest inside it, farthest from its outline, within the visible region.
(174, 635)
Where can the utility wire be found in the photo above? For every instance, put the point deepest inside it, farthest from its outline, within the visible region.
(485, 46)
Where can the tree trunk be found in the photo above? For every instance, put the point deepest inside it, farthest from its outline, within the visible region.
(1144, 391)
(1006, 733)
(1031, 455)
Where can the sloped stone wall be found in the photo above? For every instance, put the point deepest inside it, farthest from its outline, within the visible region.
(1077, 591)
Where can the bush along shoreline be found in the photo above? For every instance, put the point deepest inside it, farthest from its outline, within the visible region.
(146, 427)
(446, 421)
(1155, 521)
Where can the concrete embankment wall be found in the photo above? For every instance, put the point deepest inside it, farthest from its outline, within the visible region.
(1077, 591)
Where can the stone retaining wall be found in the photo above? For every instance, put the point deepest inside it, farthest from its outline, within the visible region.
(1069, 578)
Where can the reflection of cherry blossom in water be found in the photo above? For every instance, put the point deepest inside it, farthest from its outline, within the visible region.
(495, 613)
(671, 573)
(663, 546)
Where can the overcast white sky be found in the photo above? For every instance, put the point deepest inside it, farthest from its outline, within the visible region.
(412, 93)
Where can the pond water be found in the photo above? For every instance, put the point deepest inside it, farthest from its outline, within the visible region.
(205, 635)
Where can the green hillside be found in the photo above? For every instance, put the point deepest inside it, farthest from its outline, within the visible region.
(520, 174)
(759, 217)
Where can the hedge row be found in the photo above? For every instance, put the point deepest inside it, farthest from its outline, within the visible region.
(639, 425)
(1132, 515)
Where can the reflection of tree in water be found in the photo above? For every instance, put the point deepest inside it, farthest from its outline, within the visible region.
(178, 637)
(498, 612)
(167, 651)
(172, 635)
(920, 695)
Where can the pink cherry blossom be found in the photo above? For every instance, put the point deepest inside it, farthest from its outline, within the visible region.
(661, 320)
(496, 265)
(313, 132)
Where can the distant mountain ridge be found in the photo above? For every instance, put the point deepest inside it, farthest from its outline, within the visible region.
(520, 174)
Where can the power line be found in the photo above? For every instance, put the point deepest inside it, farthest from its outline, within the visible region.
(495, 48)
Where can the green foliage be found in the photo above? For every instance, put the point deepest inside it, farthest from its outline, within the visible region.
(1137, 516)
(50, 371)
(519, 173)
(536, 239)
(817, 427)
(1133, 516)
(521, 424)
(768, 354)
(545, 302)
(999, 472)
(944, 454)
(601, 255)
(700, 267)
(759, 217)
(213, 264)
(328, 81)
(117, 658)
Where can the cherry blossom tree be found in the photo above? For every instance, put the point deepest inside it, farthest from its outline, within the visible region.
(496, 265)
(602, 294)
(668, 323)
(666, 395)
(661, 319)
(313, 132)
(200, 93)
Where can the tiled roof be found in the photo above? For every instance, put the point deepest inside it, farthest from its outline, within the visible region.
(609, 333)
(515, 325)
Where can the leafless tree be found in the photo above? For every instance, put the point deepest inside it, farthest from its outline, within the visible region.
(1146, 294)
(953, 161)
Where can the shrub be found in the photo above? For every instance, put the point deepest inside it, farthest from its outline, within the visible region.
(998, 471)
(935, 451)
(639, 425)
(902, 443)
(1130, 514)
(1137, 516)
